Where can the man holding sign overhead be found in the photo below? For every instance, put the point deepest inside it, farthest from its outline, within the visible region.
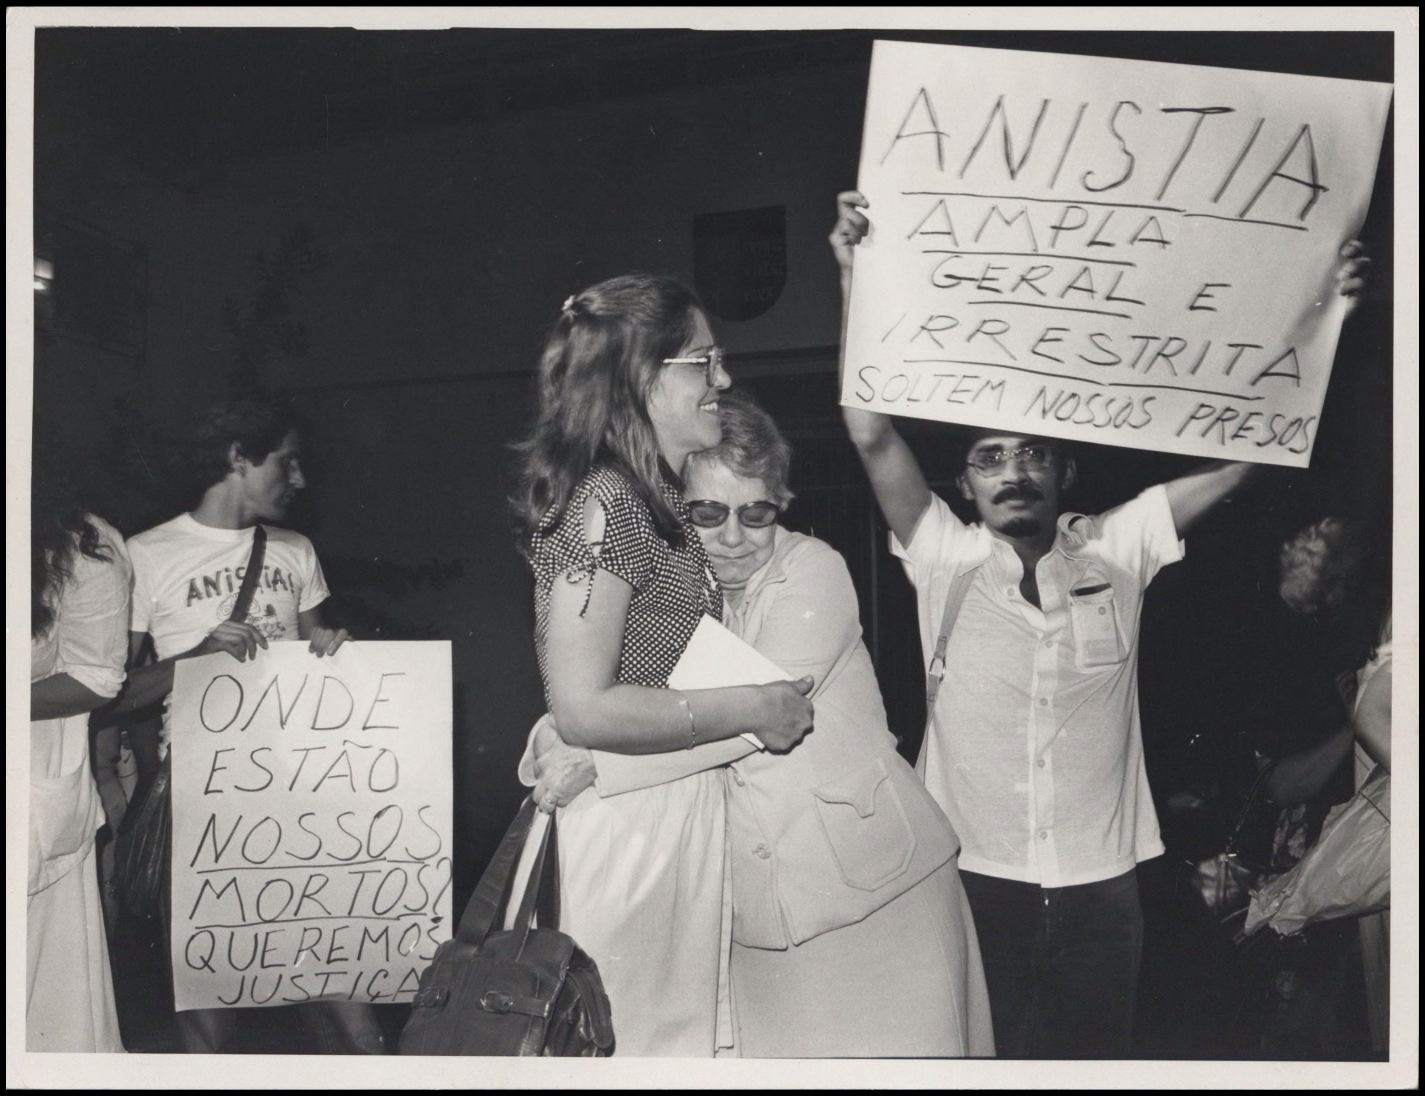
(1099, 250)
(1030, 621)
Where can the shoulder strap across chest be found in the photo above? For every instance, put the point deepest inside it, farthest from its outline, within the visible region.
(935, 674)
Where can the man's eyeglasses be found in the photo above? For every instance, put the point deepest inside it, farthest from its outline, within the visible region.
(1032, 458)
(706, 514)
(711, 361)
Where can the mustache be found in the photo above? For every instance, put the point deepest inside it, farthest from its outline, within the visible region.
(1027, 491)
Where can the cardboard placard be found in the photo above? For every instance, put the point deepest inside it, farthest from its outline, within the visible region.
(311, 823)
(1123, 252)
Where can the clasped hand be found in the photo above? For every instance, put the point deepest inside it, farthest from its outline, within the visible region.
(561, 771)
(242, 640)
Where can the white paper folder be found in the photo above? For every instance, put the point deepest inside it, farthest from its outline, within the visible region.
(715, 659)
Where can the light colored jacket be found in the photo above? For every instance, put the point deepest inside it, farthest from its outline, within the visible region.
(825, 835)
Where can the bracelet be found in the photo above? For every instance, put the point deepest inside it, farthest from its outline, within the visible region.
(692, 727)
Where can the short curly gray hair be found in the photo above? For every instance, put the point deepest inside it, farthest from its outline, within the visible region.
(751, 445)
(1321, 565)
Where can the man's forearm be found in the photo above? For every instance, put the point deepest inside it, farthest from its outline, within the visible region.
(60, 696)
(145, 686)
(1299, 776)
(1193, 496)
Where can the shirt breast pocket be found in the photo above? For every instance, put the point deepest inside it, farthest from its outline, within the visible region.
(1093, 615)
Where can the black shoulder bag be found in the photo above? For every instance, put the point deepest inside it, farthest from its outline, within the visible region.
(523, 991)
(145, 837)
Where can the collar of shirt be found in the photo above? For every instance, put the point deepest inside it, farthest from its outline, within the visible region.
(1068, 538)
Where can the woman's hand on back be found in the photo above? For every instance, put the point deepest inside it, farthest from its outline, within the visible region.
(788, 713)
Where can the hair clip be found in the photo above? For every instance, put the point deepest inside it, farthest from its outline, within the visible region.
(568, 307)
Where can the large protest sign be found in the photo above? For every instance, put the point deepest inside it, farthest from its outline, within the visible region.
(311, 823)
(1112, 251)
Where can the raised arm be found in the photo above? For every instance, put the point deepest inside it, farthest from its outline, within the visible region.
(1192, 497)
(896, 478)
(594, 710)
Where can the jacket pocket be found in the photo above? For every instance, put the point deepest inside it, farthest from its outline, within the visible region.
(866, 826)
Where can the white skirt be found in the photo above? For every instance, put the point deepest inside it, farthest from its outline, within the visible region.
(641, 878)
(69, 991)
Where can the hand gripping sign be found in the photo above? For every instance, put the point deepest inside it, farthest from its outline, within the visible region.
(1111, 251)
(311, 823)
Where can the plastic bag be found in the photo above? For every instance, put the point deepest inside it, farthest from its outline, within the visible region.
(1345, 874)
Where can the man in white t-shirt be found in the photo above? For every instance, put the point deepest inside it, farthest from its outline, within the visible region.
(1034, 748)
(187, 574)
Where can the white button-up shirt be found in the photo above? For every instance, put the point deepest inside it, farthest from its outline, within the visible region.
(1035, 749)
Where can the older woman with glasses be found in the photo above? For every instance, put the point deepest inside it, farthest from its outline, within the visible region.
(851, 935)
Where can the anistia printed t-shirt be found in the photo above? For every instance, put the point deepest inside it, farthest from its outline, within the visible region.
(187, 575)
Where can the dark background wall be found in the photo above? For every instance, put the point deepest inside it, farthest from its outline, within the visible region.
(382, 226)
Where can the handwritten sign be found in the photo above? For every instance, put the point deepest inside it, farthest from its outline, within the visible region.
(311, 823)
(1112, 251)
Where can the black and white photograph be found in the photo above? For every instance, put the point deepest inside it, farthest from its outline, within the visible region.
(842, 547)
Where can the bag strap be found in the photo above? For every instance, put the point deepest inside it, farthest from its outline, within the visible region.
(541, 894)
(1257, 786)
(547, 909)
(251, 575)
(1376, 782)
(487, 905)
(137, 818)
(954, 599)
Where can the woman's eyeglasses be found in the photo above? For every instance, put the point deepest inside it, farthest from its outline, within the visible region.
(706, 514)
(711, 361)
(1032, 458)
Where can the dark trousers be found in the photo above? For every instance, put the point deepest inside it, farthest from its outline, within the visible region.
(1061, 964)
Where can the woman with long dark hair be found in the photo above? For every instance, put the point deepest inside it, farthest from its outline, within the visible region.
(79, 619)
(628, 388)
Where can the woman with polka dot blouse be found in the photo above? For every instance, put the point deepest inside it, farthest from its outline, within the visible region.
(628, 388)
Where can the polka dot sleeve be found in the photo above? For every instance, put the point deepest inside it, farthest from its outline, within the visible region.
(673, 583)
(606, 527)
(623, 548)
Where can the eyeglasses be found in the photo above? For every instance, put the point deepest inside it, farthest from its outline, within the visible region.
(711, 361)
(1032, 458)
(706, 514)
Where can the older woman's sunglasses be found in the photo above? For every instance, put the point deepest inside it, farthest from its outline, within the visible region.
(706, 514)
